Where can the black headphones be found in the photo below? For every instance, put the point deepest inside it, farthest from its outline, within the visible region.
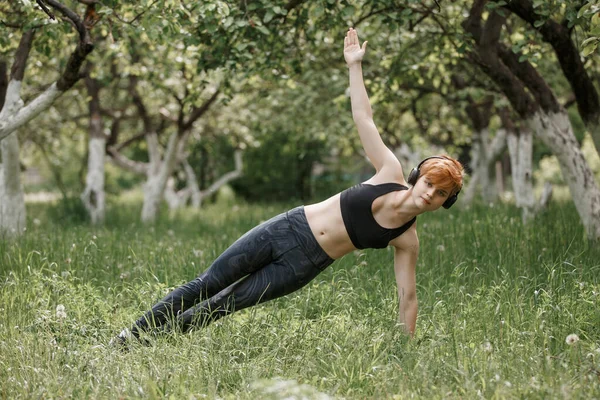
(416, 172)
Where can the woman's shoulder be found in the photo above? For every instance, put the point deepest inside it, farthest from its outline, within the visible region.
(408, 241)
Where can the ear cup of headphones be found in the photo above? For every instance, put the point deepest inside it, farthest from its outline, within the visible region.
(450, 201)
(413, 176)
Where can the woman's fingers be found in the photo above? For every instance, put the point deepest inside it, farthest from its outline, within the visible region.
(352, 39)
(355, 37)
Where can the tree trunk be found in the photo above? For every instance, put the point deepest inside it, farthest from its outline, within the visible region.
(158, 174)
(93, 195)
(12, 199)
(470, 191)
(499, 177)
(557, 133)
(520, 149)
(175, 199)
(484, 153)
(153, 192)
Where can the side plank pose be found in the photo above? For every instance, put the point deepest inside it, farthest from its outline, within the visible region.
(286, 252)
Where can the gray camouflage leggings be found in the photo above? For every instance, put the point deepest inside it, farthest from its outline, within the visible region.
(273, 259)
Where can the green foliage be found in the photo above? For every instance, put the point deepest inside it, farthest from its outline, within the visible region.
(69, 210)
(589, 13)
(280, 168)
(497, 301)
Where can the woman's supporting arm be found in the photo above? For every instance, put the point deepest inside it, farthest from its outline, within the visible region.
(405, 261)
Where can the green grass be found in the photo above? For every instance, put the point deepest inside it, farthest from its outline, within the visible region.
(496, 302)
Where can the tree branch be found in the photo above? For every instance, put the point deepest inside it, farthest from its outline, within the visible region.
(125, 163)
(226, 177)
(3, 82)
(71, 73)
(197, 112)
(17, 71)
(567, 54)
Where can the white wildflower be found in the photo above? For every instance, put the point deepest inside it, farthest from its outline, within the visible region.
(60, 312)
(572, 339)
(170, 232)
(37, 222)
(441, 247)
(197, 253)
(487, 347)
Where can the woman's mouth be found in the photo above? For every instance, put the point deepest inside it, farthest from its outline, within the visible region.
(425, 200)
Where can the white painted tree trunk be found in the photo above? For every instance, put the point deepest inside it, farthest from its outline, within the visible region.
(483, 153)
(486, 181)
(158, 174)
(93, 195)
(557, 133)
(12, 199)
(520, 150)
(468, 194)
(175, 199)
(152, 197)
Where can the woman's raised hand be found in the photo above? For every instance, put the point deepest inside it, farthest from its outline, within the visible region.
(353, 53)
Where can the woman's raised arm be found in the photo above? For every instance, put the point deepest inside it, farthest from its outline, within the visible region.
(379, 154)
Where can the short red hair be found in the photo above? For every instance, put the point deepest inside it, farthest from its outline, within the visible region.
(444, 172)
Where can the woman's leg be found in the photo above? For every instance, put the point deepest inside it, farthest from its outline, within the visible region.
(277, 279)
(257, 248)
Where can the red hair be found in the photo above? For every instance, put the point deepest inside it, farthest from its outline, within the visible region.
(444, 172)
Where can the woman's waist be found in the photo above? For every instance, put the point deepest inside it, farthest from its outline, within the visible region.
(327, 226)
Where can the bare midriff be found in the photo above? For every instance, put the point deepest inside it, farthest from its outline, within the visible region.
(326, 223)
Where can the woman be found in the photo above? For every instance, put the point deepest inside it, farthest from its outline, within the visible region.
(288, 251)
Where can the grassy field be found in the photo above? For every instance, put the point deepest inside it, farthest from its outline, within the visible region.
(496, 303)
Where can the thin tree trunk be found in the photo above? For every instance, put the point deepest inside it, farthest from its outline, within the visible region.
(499, 177)
(12, 198)
(93, 196)
(158, 174)
(484, 153)
(520, 149)
(176, 198)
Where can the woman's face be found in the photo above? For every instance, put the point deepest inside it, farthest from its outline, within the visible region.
(428, 196)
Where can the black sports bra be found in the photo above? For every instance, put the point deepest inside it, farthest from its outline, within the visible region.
(358, 218)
